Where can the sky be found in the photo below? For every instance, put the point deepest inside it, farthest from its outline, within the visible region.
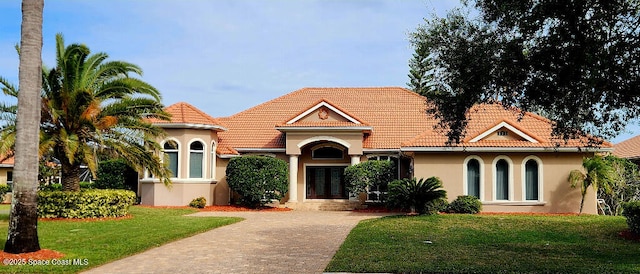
(226, 56)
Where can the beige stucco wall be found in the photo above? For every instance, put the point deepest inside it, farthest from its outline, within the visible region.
(179, 194)
(352, 140)
(557, 195)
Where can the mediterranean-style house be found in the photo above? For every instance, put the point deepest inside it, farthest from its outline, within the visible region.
(508, 159)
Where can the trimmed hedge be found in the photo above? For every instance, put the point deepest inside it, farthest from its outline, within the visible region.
(94, 203)
(631, 210)
(465, 204)
(369, 175)
(258, 179)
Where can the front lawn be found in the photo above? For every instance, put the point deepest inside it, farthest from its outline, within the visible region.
(488, 244)
(104, 241)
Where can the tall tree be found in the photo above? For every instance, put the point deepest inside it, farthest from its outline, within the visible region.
(91, 107)
(22, 236)
(576, 60)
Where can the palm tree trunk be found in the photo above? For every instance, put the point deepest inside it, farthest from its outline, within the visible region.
(22, 236)
(70, 177)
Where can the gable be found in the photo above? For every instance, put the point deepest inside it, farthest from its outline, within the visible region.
(506, 131)
(324, 111)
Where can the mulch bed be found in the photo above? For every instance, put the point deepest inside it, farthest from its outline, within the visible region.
(628, 235)
(23, 258)
(226, 208)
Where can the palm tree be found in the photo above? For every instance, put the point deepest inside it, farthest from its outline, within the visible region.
(22, 236)
(92, 107)
(415, 194)
(599, 175)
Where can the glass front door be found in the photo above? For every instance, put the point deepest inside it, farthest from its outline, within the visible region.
(326, 183)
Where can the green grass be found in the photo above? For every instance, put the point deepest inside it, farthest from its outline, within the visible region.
(488, 244)
(100, 242)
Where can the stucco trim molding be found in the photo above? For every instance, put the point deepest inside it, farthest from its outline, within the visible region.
(514, 203)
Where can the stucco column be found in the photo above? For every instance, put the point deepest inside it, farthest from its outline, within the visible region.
(355, 159)
(293, 178)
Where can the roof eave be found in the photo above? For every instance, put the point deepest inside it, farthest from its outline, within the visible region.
(191, 126)
(505, 149)
(358, 128)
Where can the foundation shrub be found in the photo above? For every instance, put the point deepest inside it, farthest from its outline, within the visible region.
(415, 195)
(631, 211)
(436, 206)
(369, 175)
(199, 202)
(258, 179)
(4, 189)
(93, 203)
(465, 204)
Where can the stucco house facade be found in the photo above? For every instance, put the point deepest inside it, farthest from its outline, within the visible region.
(508, 159)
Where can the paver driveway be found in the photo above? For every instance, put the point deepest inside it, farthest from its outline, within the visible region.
(265, 242)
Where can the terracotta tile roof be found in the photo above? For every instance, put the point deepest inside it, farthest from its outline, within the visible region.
(396, 115)
(184, 113)
(629, 148)
(8, 161)
(328, 102)
(486, 116)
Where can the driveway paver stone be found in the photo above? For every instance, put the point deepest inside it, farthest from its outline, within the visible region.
(265, 242)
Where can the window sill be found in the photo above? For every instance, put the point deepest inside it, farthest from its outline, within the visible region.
(515, 203)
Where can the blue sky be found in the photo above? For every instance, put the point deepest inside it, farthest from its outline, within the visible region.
(226, 56)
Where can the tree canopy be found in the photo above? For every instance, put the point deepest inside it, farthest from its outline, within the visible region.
(92, 107)
(575, 61)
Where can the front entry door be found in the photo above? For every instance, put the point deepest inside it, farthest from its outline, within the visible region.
(326, 182)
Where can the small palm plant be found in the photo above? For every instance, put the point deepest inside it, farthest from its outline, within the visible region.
(414, 194)
(598, 174)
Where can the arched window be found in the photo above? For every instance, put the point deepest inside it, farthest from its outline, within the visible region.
(327, 153)
(473, 178)
(502, 179)
(532, 180)
(170, 149)
(196, 155)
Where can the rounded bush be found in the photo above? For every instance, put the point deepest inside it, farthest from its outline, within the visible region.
(631, 211)
(199, 202)
(372, 174)
(115, 174)
(258, 179)
(436, 206)
(4, 189)
(465, 204)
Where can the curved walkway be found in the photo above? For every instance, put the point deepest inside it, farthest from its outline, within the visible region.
(265, 242)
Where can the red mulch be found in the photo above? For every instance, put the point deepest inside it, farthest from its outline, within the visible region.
(628, 235)
(23, 258)
(528, 213)
(226, 208)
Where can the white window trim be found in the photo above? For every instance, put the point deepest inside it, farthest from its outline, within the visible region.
(494, 177)
(204, 159)
(465, 188)
(214, 147)
(540, 178)
(162, 157)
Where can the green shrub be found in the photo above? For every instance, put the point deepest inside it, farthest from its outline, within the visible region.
(414, 194)
(436, 206)
(258, 179)
(94, 203)
(631, 210)
(115, 174)
(369, 175)
(4, 189)
(465, 204)
(199, 202)
(58, 187)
